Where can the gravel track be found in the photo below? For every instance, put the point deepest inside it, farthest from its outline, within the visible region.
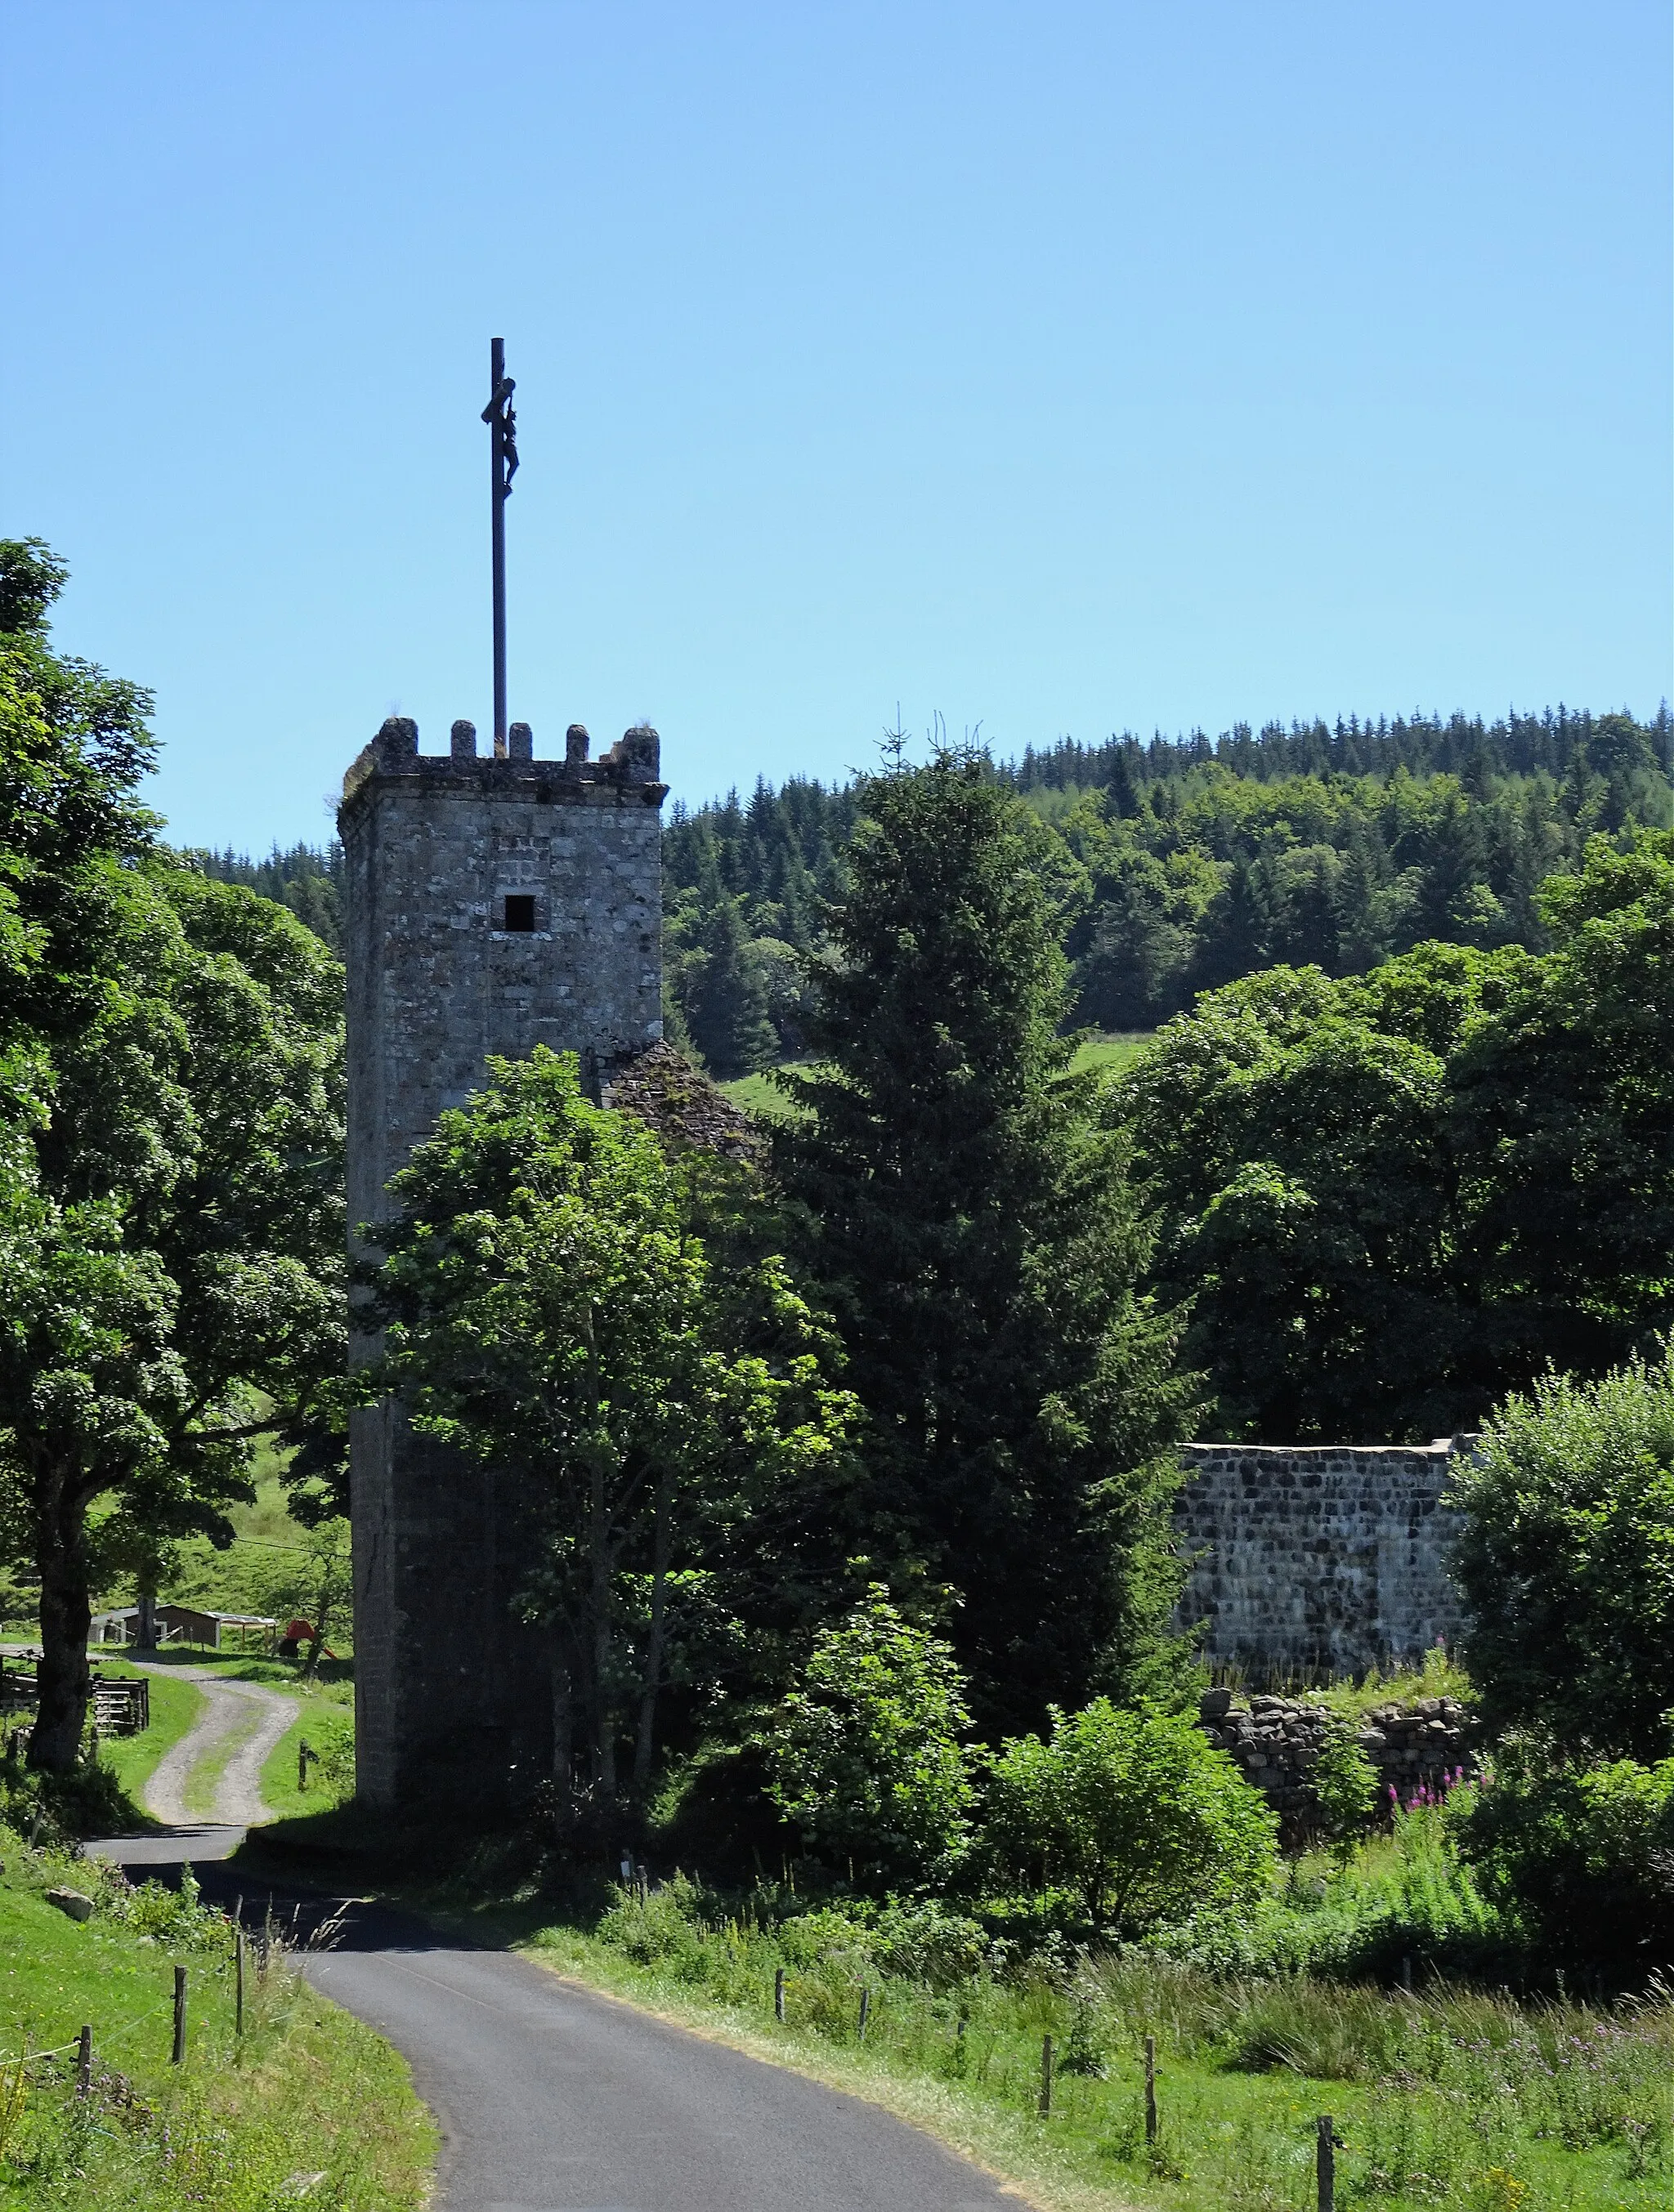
(232, 1711)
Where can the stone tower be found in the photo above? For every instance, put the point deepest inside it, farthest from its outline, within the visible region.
(492, 905)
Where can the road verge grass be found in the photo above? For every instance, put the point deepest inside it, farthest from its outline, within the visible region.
(312, 2105)
(1446, 2098)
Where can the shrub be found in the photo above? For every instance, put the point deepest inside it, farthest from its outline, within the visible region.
(1566, 1559)
(1344, 1785)
(1137, 1811)
(923, 1942)
(866, 1757)
(333, 1746)
(1584, 1855)
(662, 1929)
(1401, 1907)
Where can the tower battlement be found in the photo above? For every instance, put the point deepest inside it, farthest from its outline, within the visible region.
(627, 775)
(491, 905)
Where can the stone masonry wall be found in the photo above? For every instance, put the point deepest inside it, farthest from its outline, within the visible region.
(1317, 1560)
(451, 1692)
(1274, 1742)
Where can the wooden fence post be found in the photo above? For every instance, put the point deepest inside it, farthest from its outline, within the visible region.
(779, 1995)
(179, 2013)
(238, 2000)
(1150, 2088)
(1325, 2164)
(1045, 2076)
(84, 2064)
(866, 2014)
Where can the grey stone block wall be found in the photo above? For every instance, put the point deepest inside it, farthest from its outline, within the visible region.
(1308, 1561)
(451, 1692)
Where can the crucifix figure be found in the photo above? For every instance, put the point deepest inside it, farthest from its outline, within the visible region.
(501, 420)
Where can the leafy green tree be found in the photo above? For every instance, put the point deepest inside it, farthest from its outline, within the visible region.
(1395, 1196)
(1135, 1811)
(1296, 1139)
(1566, 1558)
(867, 1753)
(1578, 1854)
(551, 1310)
(971, 1225)
(1562, 1120)
(171, 1210)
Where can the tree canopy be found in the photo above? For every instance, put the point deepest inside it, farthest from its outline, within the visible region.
(1565, 1559)
(172, 1099)
(1394, 1197)
(551, 1307)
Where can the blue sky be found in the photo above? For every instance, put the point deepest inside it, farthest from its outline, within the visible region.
(1056, 369)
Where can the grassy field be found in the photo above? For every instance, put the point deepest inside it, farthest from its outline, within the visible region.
(311, 2105)
(760, 1094)
(328, 1711)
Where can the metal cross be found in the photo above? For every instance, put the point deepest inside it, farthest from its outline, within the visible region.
(501, 420)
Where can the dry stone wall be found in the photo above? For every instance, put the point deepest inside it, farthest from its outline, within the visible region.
(1275, 1742)
(1313, 1561)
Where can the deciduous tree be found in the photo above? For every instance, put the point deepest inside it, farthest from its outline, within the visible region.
(549, 1308)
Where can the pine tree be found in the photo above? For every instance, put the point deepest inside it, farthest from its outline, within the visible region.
(726, 999)
(972, 1225)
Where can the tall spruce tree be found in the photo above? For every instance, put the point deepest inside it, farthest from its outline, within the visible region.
(726, 1004)
(971, 1220)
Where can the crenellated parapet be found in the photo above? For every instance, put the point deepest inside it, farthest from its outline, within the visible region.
(627, 775)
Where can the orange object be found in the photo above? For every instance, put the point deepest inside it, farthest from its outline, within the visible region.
(299, 1631)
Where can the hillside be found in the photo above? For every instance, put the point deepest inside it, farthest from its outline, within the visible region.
(1181, 864)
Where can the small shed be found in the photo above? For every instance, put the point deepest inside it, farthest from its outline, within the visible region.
(188, 1623)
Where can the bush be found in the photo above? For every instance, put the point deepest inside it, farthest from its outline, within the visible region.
(59, 1809)
(866, 1757)
(1566, 1559)
(666, 1927)
(1583, 1855)
(1344, 1785)
(1135, 1810)
(923, 1942)
(1402, 1906)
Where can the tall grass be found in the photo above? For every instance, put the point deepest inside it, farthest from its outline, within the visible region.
(1446, 2097)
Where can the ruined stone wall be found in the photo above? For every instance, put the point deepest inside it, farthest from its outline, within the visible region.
(1310, 1561)
(450, 1692)
(1275, 1742)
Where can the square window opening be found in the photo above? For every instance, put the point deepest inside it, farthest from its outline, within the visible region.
(520, 913)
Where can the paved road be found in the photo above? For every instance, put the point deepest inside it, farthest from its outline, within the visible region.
(242, 1712)
(553, 2099)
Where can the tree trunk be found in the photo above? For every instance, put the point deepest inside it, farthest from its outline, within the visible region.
(598, 1592)
(598, 1640)
(145, 1628)
(654, 1645)
(563, 1728)
(66, 1617)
